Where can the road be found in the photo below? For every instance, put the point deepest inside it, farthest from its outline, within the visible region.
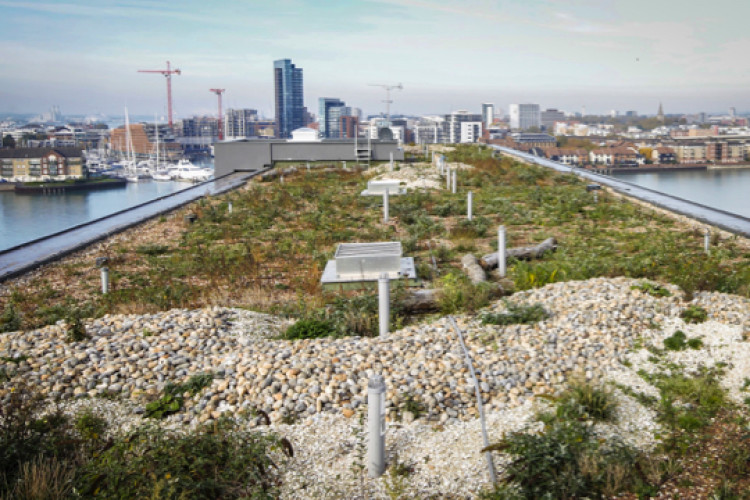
(728, 221)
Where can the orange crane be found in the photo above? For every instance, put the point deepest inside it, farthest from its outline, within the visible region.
(168, 75)
(218, 92)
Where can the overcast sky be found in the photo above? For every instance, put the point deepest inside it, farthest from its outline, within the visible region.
(83, 55)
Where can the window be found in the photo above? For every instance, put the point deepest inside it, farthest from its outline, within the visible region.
(7, 169)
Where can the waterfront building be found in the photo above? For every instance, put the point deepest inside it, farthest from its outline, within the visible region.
(143, 141)
(289, 103)
(28, 164)
(524, 116)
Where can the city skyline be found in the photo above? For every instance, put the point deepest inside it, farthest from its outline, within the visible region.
(566, 55)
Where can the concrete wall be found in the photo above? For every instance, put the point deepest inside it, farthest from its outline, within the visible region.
(253, 155)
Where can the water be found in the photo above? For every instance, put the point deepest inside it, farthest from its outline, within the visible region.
(727, 190)
(25, 217)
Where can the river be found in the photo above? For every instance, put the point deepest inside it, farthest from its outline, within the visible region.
(725, 189)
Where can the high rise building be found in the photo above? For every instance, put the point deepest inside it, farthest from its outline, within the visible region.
(524, 116)
(329, 113)
(488, 114)
(290, 108)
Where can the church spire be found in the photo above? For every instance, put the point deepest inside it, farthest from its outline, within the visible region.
(660, 113)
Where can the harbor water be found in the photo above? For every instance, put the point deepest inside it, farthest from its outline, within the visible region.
(726, 189)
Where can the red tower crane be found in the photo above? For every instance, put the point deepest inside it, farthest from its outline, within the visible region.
(168, 75)
(218, 92)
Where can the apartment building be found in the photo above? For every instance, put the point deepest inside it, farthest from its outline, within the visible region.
(524, 116)
(27, 164)
(462, 127)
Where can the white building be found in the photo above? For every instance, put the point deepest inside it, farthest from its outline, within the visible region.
(488, 114)
(524, 116)
(429, 130)
(456, 132)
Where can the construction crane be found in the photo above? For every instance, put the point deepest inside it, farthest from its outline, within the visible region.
(168, 75)
(388, 100)
(218, 92)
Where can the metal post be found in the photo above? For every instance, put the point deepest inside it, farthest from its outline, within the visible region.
(707, 241)
(384, 303)
(386, 202)
(229, 207)
(105, 280)
(455, 174)
(596, 197)
(469, 206)
(344, 165)
(448, 179)
(281, 179)
(308, 165)
(501, 250)
(391, 161)
(376, 426)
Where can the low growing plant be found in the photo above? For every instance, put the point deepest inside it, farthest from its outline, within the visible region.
(694, 314)
(652, 289)
(517, 314)
(309, 328)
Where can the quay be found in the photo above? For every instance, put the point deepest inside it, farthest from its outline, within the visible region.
(30, 255)
(727, 221)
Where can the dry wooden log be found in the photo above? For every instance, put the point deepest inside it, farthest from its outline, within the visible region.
(473, 269)
(489, 261)
(421, 300)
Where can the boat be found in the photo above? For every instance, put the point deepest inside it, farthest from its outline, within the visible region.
(132, 172)
(186, 171)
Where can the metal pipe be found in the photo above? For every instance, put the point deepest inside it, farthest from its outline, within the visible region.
(376, 426)
(455, 174)
(501, 250)
(448, 179)
(707, 241)
(480, 407)
(384, 303)
(229, 207)
(386, 208)
(105, 280)
(469, 206)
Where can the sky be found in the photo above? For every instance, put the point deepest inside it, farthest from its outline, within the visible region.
(83, 55)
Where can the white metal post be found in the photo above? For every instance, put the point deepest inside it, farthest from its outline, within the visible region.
(501, 250)
(469, 206)
(229, 207)
(105, 280)
(376, 426)
(455, 174)
(707, 241)
(448, 179)
(386, 202)
(384, 303)
(391, 161)
(596, 197)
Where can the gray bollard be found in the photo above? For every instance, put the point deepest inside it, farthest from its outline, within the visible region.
(376, 426)
(105, 280)
(384, 303)
(229, 207)
(386, 203)
(469, 204)
(707, 241)
(455, 174)
(501, 251)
